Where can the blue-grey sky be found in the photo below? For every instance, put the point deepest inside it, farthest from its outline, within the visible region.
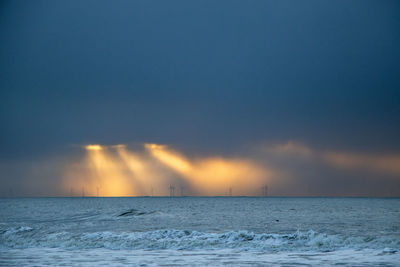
(205, 76)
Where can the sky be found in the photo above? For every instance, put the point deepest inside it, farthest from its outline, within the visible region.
(305, 94)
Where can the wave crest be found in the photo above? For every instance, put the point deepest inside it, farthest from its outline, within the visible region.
(23, 237)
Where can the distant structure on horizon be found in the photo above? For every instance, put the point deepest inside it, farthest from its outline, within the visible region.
(264, 191)
(230, 191)
(171, 190)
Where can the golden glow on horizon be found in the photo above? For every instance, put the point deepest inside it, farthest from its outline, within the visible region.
(212, 176)
(117, 171)
(143, 175)
(101, 174)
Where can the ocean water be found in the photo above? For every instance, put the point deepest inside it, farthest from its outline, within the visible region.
(199, 231)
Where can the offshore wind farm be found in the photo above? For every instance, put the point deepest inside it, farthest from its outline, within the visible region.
(200, 133)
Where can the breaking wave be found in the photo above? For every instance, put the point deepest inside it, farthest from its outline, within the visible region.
(25, 237)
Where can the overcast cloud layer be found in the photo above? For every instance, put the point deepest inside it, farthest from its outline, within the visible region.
(310, 89)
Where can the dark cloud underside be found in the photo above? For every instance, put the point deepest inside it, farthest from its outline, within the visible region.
(205, 76)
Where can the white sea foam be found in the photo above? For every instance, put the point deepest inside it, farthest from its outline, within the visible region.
(24, 237)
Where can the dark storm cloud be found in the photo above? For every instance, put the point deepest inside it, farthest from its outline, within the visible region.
(205, 76)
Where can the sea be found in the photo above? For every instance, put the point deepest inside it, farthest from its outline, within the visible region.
(200, 231)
